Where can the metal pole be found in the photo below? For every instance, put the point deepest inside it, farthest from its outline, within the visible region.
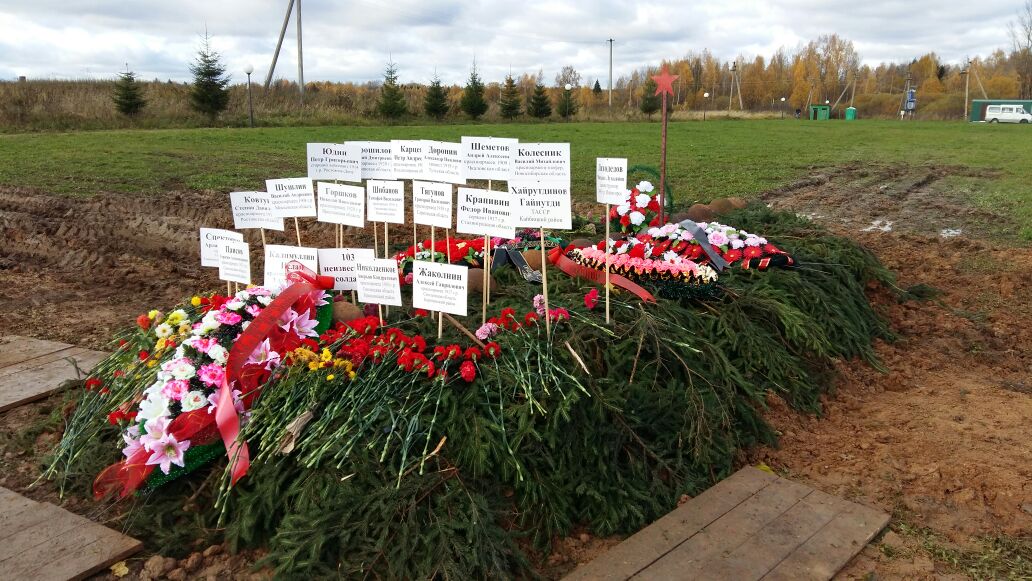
(610, 41)
(250, 105)
(300, 57)
(279, 43)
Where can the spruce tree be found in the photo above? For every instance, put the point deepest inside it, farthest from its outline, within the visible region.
(392, 103)
(649, 99)
(567, 106)
(509, 104)
(539, 105)
(209, 95)
(435, 104)
(473, 102)
(128, 94)
(597, 89)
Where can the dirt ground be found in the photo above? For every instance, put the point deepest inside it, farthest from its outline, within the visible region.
(941, 440)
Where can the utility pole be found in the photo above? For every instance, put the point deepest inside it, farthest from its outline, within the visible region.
(279, 45)
(967, 82)
(610, 41)
(300, 58)
(731, 95)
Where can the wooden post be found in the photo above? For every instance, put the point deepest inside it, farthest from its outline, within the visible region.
(544, 283)
(262, 230)
(297, 228)
(386, 254)
(607, 261)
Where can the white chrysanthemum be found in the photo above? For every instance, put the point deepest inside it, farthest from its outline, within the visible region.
(622, 209)
(235, 304)
(243, 295)
(208, 324)
(637, 218)
(218, 353)
(155, 388)
(181, 369)
(737, 244)
(193, 400)
(642, 200)
(644, 186)
(163, 330)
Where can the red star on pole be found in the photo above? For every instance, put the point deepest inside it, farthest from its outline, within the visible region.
(665, 82)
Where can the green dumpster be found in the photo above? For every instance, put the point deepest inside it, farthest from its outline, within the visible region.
(850, 113)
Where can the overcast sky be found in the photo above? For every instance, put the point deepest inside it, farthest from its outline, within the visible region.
(350, 40)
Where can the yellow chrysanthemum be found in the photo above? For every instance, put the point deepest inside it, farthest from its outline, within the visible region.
(185, 329)
(160, 344)
(351, 375)
(326, 355)
(195, 301)
(154, 314)
(152, 363)
(312, 366)
(331, 377)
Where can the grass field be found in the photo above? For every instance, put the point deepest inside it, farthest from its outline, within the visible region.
(706, 159)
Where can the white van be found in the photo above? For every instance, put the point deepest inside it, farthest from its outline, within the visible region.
(1007, 114)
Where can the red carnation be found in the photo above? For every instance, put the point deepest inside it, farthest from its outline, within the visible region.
(493, 349)
(591, 299)
(468, 370)
(422, 313)
(530, 319)
(143, 321)
(115, 417)
(118, 373)
(143, 355)
(473, 353)
(93, 383)
(122, 343)
(625, 221)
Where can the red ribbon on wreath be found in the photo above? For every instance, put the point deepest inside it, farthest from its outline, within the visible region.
(558, 258)
(132, 472)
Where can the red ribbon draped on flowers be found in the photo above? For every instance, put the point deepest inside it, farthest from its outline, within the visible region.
(131, 473)
(557, 257)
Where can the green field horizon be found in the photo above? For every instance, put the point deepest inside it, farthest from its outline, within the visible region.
(707, 159)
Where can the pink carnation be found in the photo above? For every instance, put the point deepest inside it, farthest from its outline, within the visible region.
(176, 388)
(212, 374)
(228, 317)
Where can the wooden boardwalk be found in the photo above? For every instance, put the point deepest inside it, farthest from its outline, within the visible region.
(753, 525)
(42, 542)
(31, 369)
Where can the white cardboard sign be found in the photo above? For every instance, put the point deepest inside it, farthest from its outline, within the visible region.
(340, 264)
(488, 158)
(210, 240)
(409, 159)
(377, 281)
(335, 161)
(385, 201)
(340, 204)
(432, 204)
(485, 213)
(439, 287)
(542, 161)
(443, 162)
(254, 210)
(277, 257)
(541, 204)
(610, 180)
(292, 197)
(235, 261)
(377, 160)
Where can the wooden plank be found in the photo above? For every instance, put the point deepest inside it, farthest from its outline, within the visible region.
(74, 555)
(44, 542)
(646, 546)
(727, 532)
(15, 349)
(38, 382)
(15, 512)
(828, 551)
(41, 361)
(776, 541)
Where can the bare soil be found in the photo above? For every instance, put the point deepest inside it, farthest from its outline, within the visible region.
(941, 440)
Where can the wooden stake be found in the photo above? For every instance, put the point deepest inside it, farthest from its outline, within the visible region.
(544, 284)
(229, 289)
(263, 238)
(297, 228)
(606, 218)
(386, 254)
